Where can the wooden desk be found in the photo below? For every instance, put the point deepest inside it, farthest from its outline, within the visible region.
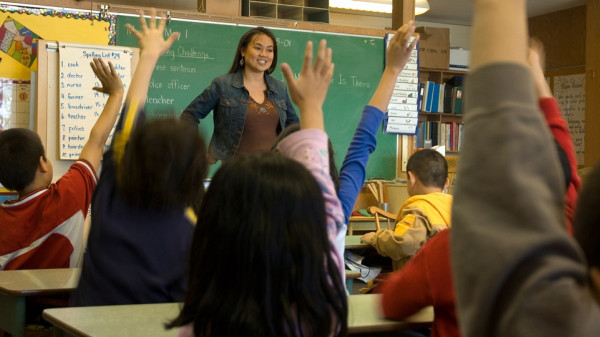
(364, 316)
(361, 223)
(353, 242)
(147, 319)
(16, 285)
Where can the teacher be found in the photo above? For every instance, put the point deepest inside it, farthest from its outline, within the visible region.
(250, 107)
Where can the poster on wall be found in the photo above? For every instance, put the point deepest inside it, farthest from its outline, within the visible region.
(21, 27)
(569, 91)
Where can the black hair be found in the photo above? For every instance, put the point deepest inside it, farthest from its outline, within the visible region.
(586, 226)
(245, 41)
(430, 167)
(261, 263)
(164, 165)
(20, 152)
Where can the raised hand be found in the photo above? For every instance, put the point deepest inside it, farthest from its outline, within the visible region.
(399, 49)
(310, 89)
(111, 82)
(150, 37)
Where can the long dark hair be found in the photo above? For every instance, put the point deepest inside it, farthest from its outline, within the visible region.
(243, 44)
(261, 263)
(164, 165)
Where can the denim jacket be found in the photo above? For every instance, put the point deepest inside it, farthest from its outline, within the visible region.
(227, 97)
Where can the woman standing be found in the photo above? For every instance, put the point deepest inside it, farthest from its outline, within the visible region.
(250, 106)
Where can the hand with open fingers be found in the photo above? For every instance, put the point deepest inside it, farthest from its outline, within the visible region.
(150, 36)
(108, 76)
(310, 89)
(399, 47)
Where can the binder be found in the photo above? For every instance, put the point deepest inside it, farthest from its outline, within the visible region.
(458, 97)
(435, 100)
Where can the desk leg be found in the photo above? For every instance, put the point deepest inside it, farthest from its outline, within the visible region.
(349, 283)
(12, 315)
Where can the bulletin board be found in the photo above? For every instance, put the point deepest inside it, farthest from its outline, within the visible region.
(569, 91)
(64, 130)
(21, 27)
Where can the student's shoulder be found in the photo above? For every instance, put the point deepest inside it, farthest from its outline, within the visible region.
(81, 173)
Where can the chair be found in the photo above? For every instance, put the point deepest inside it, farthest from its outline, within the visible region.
(378, 212)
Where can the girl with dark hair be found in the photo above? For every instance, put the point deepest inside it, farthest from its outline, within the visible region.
(250, 107)
(265, 234)
(140, 233)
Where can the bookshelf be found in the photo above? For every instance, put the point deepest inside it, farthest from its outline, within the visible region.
(297, 10)
(438, 75)
(439, 124)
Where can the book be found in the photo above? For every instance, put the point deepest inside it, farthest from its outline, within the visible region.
(458, 97)
(448, 92)
(429, 95)
(420, 96)
(435, 99)
(441, 98)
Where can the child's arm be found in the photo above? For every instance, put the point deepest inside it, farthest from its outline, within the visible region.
(397, 55)
(514, 267)
(558, 125)
(111, 85)
(310, 89)
(152, 45)
(352, 173)
(309, 145)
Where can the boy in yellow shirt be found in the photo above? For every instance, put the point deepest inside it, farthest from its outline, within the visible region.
(423, 214)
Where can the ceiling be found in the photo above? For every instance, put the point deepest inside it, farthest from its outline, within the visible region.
(458, 12)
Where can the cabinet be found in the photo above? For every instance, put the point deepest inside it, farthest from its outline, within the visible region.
(298, 10)
(442, 128)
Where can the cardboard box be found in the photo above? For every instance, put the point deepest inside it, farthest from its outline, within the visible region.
(434, 47)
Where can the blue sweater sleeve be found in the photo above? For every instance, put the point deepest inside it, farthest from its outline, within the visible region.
(352, 173)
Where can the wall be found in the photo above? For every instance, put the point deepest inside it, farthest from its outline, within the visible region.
(563, 35)
(592, 92)
(459, 35)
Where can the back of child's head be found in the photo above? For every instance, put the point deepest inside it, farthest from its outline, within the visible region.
(164, 165)
(20, 152)
(587, 217)
(430, 167)
(260, 262)
(333, 171)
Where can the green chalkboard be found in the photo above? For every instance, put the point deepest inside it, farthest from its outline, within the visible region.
(205, 50)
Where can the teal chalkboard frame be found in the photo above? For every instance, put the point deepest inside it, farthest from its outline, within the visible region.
(205, 50)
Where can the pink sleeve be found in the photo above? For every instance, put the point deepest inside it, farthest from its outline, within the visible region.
(309, 147)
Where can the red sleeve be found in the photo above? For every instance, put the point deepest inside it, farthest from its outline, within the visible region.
(408, 290)
(561, 133)
(77, 186)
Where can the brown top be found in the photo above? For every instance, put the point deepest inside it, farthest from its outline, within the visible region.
(260, 128)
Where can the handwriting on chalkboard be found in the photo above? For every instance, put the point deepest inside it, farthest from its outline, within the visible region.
(79, 105)
(570, 93)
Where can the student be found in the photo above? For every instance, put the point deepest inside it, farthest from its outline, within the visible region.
(43, 228)
(423, 214)
(516, 271)
(278, 274)
(351, 177)
(140, 233)
(426, 279)
(250, 107)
